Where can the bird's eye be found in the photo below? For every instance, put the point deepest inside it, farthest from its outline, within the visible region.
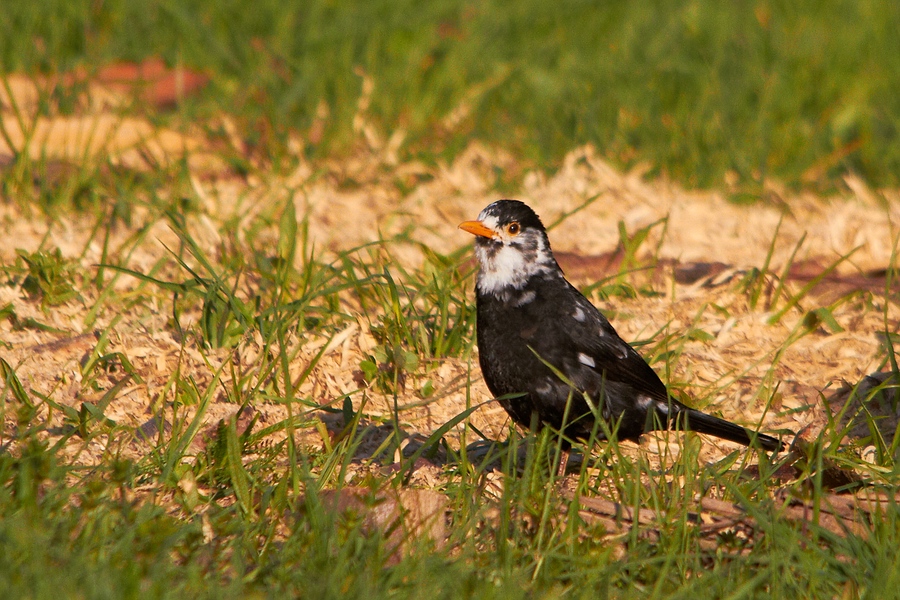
(513, 228)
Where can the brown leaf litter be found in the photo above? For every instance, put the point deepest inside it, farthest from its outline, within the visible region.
(104, 127)
(839, 515)
(406, 517)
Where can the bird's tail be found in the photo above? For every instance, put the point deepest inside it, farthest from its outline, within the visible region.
(694, 420)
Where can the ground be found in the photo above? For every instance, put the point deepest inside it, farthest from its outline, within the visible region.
(763, 313)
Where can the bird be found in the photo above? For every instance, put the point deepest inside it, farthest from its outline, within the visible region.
(546, 351)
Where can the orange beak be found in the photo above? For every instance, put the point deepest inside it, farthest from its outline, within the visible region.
(477, 228)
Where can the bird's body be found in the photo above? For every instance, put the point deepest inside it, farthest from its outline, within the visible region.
(544, 346)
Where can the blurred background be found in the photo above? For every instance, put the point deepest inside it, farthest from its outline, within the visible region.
(710, 94)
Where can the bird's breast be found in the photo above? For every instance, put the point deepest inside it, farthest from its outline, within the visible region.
(507, 339)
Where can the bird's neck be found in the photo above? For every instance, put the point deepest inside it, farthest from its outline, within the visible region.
(519, 291)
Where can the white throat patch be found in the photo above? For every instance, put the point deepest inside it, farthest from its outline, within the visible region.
(507, 265)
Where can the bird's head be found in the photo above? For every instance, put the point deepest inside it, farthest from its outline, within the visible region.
(511, 246)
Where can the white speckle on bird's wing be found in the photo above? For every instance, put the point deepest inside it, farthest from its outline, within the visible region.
(544, 387)
(644, 401)
(578, 315)
(586, 360)
(623, 350)
(526, 297)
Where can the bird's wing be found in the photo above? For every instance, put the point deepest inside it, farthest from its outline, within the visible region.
(599, 348)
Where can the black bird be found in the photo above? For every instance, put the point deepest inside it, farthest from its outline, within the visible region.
(541, 338)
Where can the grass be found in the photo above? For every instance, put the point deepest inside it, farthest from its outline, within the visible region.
(237, 510)
(104, 538)
(704, 92)
(232, 343)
